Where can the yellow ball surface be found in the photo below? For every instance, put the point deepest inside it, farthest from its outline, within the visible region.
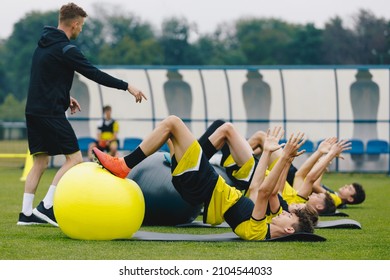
(92, 204)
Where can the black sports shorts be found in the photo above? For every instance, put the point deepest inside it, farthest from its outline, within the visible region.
(53, 136)
(196, 187)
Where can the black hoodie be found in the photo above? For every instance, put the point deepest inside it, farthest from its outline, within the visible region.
(53, 65)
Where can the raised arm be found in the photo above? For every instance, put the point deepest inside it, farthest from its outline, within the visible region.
(267, 187)
(274, 202)
(271, 144)
(320, 167)
(305, 168)
(317, 187)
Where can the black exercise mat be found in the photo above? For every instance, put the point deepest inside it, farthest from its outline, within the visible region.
(341, 223)
(337, 214)
(229, 236)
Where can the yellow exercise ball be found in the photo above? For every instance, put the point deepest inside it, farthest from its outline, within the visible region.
(92, 204)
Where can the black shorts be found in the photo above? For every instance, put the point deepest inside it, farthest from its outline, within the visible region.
(53, 136)
(197, 186)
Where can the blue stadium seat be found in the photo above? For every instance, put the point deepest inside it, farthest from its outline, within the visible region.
(357, 147)
(84, 143)
(164, 148)
(377, 146)
(282, 141)
(131, 143)
(308, 146)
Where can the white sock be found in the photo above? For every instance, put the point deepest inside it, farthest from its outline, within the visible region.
(28, 200)
(48, 200)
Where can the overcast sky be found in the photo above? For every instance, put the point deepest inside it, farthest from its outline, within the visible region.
(207, 14)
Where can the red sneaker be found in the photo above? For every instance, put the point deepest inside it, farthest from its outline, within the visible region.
(116, 166)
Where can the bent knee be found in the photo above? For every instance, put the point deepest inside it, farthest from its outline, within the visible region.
(227, 127)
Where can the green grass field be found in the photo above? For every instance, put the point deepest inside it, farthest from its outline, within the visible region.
(372, 242)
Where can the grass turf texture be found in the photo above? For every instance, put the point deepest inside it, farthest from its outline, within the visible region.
(372, 242)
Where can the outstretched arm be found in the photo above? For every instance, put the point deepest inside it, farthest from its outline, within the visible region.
(317, 187)
(302, 172)
(268, 185)
(320, 167)
(271, 144)
(274, 202)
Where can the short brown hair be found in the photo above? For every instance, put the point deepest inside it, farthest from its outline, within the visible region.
(329, 206)
(71, 11)
(312, 213)
(305, 221)
(107, 108)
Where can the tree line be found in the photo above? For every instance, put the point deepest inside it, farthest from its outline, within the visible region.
(122, 38)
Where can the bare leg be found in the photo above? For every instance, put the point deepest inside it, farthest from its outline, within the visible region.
(44, 211)
(71, 160)
(171, 148)
(171, 128)
(256, 141)
(239, 147)
(34, 176)
(40, 162)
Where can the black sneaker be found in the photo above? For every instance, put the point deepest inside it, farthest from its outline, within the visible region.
(29, 220)
(45, 214)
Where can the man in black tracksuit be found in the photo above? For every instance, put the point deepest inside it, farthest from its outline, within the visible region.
(49, 132)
